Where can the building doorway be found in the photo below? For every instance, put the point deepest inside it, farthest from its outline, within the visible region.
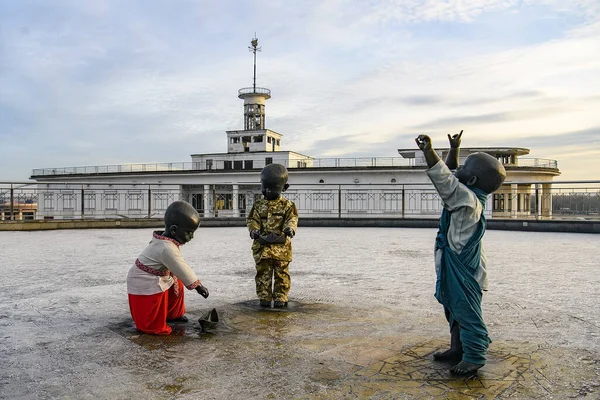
(198, 202)
(242, 204)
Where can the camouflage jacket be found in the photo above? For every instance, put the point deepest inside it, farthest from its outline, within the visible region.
(268, 216)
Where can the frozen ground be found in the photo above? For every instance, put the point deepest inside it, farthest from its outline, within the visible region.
(360, 297)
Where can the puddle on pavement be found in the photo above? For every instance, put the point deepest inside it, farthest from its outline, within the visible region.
(242, 317)
(182, 332)
(351, 352)
(254, 305)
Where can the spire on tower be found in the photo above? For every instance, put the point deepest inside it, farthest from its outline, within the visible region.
(254, 97)
(254, 48)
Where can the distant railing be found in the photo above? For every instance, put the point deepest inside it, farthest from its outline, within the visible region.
(252, 90)
(66, 200)
(117, 168)
(535, 163)
(214, 164)
(227, 165)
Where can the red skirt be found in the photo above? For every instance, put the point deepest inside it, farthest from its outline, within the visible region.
(151, 312)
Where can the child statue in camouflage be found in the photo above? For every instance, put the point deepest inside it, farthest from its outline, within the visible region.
(272, 223)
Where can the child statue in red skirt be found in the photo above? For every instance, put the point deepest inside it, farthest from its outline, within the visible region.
(156, 280)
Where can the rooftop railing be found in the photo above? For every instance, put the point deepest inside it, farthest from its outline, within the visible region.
(535, 163)
(214, 164)
(253, 90)
(300, 163)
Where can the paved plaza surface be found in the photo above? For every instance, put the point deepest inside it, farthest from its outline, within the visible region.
(362, 321)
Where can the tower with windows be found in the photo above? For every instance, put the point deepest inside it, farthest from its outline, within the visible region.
(255, 137)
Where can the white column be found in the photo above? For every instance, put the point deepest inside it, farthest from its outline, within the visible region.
(547, 200)
(513, 200)
(538, 201)
(208, 202)
(234, 195)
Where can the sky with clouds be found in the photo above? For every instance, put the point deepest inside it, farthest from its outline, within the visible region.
(140, 81)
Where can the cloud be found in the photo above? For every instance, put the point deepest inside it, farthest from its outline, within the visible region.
(586, 138)
(114, 82)
(470, 120)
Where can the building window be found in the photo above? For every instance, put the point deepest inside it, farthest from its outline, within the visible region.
(322, 201)
(48, 199)
(248, 164)
(68, 201)
(111, 200)
(269, 139)
(391, 202)
(135, 200)
(161, 201)
(498, 202)
(321, 181)
(393, 180)
(277, 142)
(258, 139)
(301, 164)
(526, 202)
(504, 158)
(235, 139)
(224, 201)
(246, 139)
(357, 201)
(198, 201)
(238, 164)
(268, 160)
(227, 165)
(209, 164)
(89, 200)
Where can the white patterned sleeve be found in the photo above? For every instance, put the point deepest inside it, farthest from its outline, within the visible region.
(171, 257)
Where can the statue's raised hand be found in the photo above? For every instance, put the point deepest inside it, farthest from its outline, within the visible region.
(455, 140)
(424, 142)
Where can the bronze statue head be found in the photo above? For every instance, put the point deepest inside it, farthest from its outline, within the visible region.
(482, 171)
(273, 181)
(181, 221)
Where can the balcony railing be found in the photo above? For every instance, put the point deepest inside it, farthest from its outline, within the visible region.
(570, 200)
(535, 163)
(300, 163)
(254, 90)
(223, 165)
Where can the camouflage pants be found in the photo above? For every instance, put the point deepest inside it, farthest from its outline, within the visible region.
(272, 280)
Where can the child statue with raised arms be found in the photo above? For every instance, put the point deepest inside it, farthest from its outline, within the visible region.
(156, 280)
(272, 223)
(459, 258)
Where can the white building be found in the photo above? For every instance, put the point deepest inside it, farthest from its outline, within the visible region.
(226, 184)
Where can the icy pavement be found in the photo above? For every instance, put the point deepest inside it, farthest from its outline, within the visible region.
(362, 322)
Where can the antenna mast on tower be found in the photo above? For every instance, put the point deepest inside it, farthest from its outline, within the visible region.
(254, 48)
(254, 97)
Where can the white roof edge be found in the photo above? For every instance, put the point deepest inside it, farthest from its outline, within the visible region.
(242, 131)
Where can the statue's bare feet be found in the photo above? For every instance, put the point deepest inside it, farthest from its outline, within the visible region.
(448, 355)
(465, 368)
(183, 318)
